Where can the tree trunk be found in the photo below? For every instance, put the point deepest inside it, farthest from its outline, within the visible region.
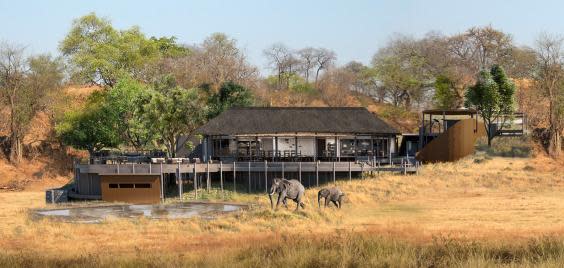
(317, 76)
(407, 101)
(555, 144)
(279, 78)
(16, 148)
(490, 138)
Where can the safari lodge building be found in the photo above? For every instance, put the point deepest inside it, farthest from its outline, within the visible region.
(301, 134)
(243, 149)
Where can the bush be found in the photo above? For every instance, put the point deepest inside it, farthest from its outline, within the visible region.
(507, 146)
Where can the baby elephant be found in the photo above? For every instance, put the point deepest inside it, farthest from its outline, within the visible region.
(332, 194)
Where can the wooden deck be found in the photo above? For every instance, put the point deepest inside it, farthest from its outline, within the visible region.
(156, 169)
(254, 175)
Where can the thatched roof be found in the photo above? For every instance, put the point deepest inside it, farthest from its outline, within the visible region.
(274, 120)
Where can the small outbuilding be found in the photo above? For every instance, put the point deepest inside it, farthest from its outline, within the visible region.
(131, 188)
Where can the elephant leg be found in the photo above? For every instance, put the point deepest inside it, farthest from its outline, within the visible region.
(285, 202)
(335, 202)
(281, 198)
(299, 201)
(326, 201)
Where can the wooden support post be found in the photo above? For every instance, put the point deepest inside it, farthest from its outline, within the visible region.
(133, 168)
(162, 181)
(390, 150)
(208, 179)
(275, 154)
(236, 153)
(195, 182)
(334, 175)
(257, 148)
(249, 169)
(117, 167)
(221, 177)
(266, 176)
(350, 171)
(405, 168)
(296, 146)
(361, 170)
(355, 147)
(283, 170)
(300, 171)
(234, 177)
(378, 170)
(162, 187)
(317, 174)
(150, 168)
(179, 181)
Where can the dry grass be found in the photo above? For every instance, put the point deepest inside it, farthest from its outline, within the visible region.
(464, 214)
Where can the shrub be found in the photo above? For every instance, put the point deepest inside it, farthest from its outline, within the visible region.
(507, 146)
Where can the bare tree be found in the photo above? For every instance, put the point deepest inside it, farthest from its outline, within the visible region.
(307, 57)
(323, 58)
(215, 61)
(24, 85)
(335, 85)
(284, 62)
(278, 55)
(550, 79)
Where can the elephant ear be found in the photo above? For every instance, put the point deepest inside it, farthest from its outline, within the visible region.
(286, 184)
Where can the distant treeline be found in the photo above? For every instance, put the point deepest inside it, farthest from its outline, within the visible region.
(154, 89)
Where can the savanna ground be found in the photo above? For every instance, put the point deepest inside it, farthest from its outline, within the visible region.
(481, 211)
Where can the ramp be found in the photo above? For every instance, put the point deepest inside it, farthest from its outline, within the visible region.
(455, 143)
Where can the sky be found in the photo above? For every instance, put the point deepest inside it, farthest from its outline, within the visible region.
(353, 29)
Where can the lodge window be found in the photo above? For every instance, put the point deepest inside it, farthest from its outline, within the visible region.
(347, 147)
(221, 147)
(381, 147)
(363, 147)
(129, 185)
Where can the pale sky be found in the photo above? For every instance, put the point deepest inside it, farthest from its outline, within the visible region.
(353, 29)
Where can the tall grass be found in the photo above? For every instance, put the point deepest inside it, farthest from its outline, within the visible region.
(465, 214)
(335, 250)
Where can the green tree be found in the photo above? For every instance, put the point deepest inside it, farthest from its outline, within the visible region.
(101, 55)
(492, 96)
(400, 68)
(92, 128)
(173, 112)
(229, 95)
(445, 96)
(124, 102)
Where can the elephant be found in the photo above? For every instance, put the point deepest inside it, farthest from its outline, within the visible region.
(287, 189)
(332, 194)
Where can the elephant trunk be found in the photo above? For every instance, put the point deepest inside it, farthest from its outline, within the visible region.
(271, 203)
